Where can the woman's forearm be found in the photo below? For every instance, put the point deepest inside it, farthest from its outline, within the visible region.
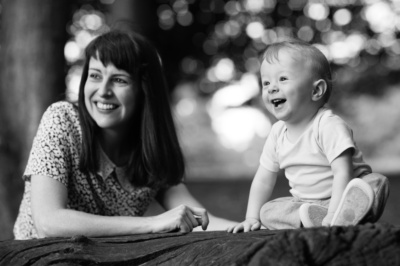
(66, 222)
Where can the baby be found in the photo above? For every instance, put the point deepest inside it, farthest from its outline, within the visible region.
(329, 180)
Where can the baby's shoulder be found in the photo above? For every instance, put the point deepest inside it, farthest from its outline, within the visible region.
(277, 129)
(278, 126)
(327, 123)
(326, 117)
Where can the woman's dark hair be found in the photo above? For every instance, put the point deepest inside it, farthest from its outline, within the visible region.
(156, 157)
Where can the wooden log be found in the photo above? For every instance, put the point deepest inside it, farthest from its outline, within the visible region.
(371, 244)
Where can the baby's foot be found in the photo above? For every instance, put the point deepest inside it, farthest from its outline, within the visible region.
(356, 202)
(311, 215)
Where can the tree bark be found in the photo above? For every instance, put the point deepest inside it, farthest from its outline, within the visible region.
(371, 244)
(140, 15)
(32, 76)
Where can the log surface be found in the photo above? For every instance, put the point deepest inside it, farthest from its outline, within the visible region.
(371, 244)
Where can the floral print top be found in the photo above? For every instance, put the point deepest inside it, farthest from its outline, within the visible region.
(55, 154)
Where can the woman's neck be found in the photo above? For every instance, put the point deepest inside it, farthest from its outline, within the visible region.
(116, 146)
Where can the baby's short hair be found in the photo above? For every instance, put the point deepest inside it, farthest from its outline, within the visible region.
(319, 63)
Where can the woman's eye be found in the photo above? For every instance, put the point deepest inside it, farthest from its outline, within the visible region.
(119, 80)
(94, 75)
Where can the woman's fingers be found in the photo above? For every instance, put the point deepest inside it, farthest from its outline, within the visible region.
(200, 215)
(182, 219)
(191, 219)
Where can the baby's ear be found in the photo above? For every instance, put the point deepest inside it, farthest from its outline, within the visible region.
(319, 90)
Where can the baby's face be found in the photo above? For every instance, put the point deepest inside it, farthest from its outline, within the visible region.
(287, 85)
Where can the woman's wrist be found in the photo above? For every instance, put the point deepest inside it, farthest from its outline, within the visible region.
(149, 224)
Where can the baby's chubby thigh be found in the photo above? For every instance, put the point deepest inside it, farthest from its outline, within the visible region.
(281, 213)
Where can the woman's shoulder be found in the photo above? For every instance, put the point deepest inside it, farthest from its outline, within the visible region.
(62, 109)
(61, 114)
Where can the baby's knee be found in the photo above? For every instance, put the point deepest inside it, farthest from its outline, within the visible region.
(280, 214)
(379, 184)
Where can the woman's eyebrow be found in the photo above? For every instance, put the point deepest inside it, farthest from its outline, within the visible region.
(122, 74)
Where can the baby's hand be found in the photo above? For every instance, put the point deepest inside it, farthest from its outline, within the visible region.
(250, 224)
(328, 219)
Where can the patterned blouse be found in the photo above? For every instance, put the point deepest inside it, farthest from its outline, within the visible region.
(55, 153)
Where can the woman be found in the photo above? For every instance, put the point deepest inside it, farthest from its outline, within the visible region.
(95, 166)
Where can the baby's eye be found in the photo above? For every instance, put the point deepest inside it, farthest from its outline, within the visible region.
(283, 78)
(265, 83)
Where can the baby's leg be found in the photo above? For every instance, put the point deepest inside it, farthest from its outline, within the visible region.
(380, 186)
(281, 213)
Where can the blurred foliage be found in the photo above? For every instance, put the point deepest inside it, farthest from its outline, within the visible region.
(199, 34)
(210, 45)
(353, 34)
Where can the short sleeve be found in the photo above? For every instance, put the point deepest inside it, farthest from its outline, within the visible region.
(335, 137)
(51, 150)
(269, 157)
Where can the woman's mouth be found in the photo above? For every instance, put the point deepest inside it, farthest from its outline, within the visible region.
(106, 106)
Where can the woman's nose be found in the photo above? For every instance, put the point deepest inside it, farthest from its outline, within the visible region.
(105, 89)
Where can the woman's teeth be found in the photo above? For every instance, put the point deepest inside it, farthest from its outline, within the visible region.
(106, 106)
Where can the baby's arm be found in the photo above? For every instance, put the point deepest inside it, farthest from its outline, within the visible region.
(260, 192)
(342, 169)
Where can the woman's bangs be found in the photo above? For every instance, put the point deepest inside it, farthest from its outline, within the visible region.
(121, 54)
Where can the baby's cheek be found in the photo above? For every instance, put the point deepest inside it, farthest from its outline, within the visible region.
(265, 99)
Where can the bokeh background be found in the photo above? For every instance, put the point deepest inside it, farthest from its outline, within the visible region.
(210, 52)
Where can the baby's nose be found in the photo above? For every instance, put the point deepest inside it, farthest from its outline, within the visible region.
(273, 88)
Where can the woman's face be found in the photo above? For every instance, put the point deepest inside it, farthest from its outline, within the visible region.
(109, 95)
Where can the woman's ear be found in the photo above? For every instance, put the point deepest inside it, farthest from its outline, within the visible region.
(319, 90)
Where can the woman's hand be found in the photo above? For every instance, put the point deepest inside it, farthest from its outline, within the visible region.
(180, 219)
(250, 224)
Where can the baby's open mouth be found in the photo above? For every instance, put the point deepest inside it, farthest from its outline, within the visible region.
(277, 102)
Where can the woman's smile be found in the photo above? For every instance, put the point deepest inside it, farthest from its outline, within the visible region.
(106, 106)
(109, 95)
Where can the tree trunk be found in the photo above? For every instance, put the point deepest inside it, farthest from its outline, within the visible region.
(140, 15)
(32, 76)
(371, 244)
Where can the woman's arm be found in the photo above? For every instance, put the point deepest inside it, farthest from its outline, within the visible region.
(52, 218)
(342, 169)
